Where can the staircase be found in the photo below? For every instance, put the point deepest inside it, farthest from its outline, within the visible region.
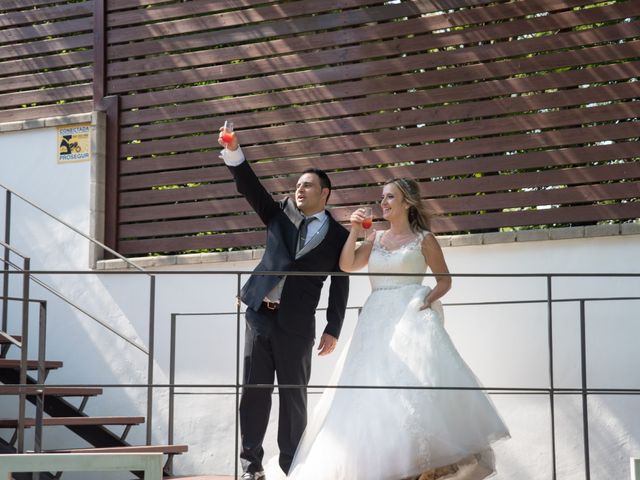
(60, 412)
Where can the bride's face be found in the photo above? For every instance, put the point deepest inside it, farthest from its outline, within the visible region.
(393, 205)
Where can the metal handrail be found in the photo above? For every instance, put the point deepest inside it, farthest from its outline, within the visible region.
(71, 303)
(152, 290)
(549, 391)
(79, 232)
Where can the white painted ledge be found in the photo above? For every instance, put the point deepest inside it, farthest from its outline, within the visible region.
(149, 463)
(492, 238)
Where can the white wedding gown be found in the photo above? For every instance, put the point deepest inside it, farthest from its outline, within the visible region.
(393, 434)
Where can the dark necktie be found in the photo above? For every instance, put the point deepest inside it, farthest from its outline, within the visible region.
(302, 236)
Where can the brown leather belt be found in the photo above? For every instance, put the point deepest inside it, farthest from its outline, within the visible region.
(271, 305)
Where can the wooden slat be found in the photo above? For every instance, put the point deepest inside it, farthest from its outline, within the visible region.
(314, 143)
(469, 203)
(334, 111)
(421, 43)
(173, 449)
(31, 364)
(331, 21)
(51, 391)
(503, 87)
(368, 33)
(68, 421)
(45, 46)
(270, 21)
(68, 60)
(559, 157)
(49, 95)
(22, 34)
(115, 5)
(388, 67)
(591, 213)
(491, 183)
(579, 214)
(18, 114)
(49, 79)
(259, 14)
(229, 72)
(436, 151)
(24, 4)
(27, 17)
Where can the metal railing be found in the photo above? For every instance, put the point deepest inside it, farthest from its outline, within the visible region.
(551, 390)
(28, 276)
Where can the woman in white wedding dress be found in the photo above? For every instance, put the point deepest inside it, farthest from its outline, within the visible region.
(393, 433)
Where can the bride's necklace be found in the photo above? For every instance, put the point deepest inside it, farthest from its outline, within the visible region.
(391, 241)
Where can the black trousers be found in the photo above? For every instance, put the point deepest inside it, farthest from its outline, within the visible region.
(267, 354)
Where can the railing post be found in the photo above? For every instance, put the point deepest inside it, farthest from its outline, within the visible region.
(152, 326)
(7, 253)
(172, 380)
(585, 411)
(24, 352)
(237, 423)
(42, 345)
(551, 376)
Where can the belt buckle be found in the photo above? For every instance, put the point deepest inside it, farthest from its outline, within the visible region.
(271, 305)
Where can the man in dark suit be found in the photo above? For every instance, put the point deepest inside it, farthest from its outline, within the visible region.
(280, 316)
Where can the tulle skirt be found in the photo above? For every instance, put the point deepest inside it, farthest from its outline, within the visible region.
(387, 427)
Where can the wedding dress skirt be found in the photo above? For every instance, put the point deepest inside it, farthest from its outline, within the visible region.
(380, 430)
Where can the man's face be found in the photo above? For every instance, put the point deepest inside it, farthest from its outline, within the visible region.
(310, 197)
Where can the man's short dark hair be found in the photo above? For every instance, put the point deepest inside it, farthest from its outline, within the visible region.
(325, 182)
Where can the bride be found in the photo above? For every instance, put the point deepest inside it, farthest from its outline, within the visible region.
(396, 433)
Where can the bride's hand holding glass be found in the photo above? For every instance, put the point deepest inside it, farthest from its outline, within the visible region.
(361, 218)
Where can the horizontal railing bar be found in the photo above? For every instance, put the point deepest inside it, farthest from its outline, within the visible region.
(456, 304)
(540, 390)
(323, 274)
(20, 299)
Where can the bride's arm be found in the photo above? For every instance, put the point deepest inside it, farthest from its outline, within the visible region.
(352, 258)
(435, 259)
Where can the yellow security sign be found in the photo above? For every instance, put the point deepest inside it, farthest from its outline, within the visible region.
(74, 144)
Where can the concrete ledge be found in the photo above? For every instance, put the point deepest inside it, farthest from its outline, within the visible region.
(149, 463)
(492, 238)
(45, 122)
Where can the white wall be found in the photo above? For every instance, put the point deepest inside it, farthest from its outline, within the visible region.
(505, 345)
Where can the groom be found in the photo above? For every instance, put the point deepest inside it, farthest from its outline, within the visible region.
(280, 317)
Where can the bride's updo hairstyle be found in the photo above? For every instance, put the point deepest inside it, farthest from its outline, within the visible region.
(419, 216)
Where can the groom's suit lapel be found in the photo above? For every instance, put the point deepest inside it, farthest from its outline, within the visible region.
(295, 216)
(316, 239)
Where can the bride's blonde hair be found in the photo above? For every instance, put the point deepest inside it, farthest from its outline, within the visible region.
(419, 215)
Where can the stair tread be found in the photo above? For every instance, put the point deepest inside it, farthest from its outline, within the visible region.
(4, 339)
(52, 421)
(31, 364)
(51, 391)
(175, 449)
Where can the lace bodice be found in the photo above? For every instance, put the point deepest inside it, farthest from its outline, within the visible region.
(406, 259)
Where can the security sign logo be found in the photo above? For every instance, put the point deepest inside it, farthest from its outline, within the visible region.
(74, 144)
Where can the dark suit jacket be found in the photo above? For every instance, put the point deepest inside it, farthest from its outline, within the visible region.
(300, 294)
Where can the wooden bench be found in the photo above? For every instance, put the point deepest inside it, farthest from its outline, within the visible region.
(149, 463)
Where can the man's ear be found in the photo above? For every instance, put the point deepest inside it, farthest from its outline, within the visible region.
(325, 194)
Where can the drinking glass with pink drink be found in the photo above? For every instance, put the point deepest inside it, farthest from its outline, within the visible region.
(227, 132)
(368, 218)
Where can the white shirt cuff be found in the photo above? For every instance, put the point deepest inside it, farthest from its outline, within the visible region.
(233, 158)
